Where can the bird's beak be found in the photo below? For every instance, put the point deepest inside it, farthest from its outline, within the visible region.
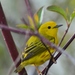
(57, 26)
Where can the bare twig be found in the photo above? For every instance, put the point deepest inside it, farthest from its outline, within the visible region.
(68, 26)
(15, 30)
(24, 21)
(30, 13)
(66, 45)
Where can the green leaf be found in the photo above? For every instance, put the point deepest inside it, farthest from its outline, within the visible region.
(23, 26)
(58, 10)
(72, 16)
(39, 16)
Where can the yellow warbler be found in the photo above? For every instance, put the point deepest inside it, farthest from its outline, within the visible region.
(35, 52)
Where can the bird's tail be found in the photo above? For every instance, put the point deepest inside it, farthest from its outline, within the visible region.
(19, 68)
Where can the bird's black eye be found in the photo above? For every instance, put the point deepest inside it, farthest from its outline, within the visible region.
(49, 27)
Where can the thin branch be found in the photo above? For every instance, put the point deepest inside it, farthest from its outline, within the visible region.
(9, 40)
(30, 13)
(68, 26)
(15, 30)
(66, 45)
(24, 21)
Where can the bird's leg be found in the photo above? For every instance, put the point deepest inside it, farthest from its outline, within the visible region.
(39, 72)
(53, 58)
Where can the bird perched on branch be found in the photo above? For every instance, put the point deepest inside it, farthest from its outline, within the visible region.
(36, 52)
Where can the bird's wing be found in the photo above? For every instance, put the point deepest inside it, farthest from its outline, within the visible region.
(34, 48)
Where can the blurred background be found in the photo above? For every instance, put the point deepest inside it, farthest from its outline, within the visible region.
(15, 10)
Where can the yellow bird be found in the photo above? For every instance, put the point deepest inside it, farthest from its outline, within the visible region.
(35, 51)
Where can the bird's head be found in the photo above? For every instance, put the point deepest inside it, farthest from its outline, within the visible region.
(49, 29)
